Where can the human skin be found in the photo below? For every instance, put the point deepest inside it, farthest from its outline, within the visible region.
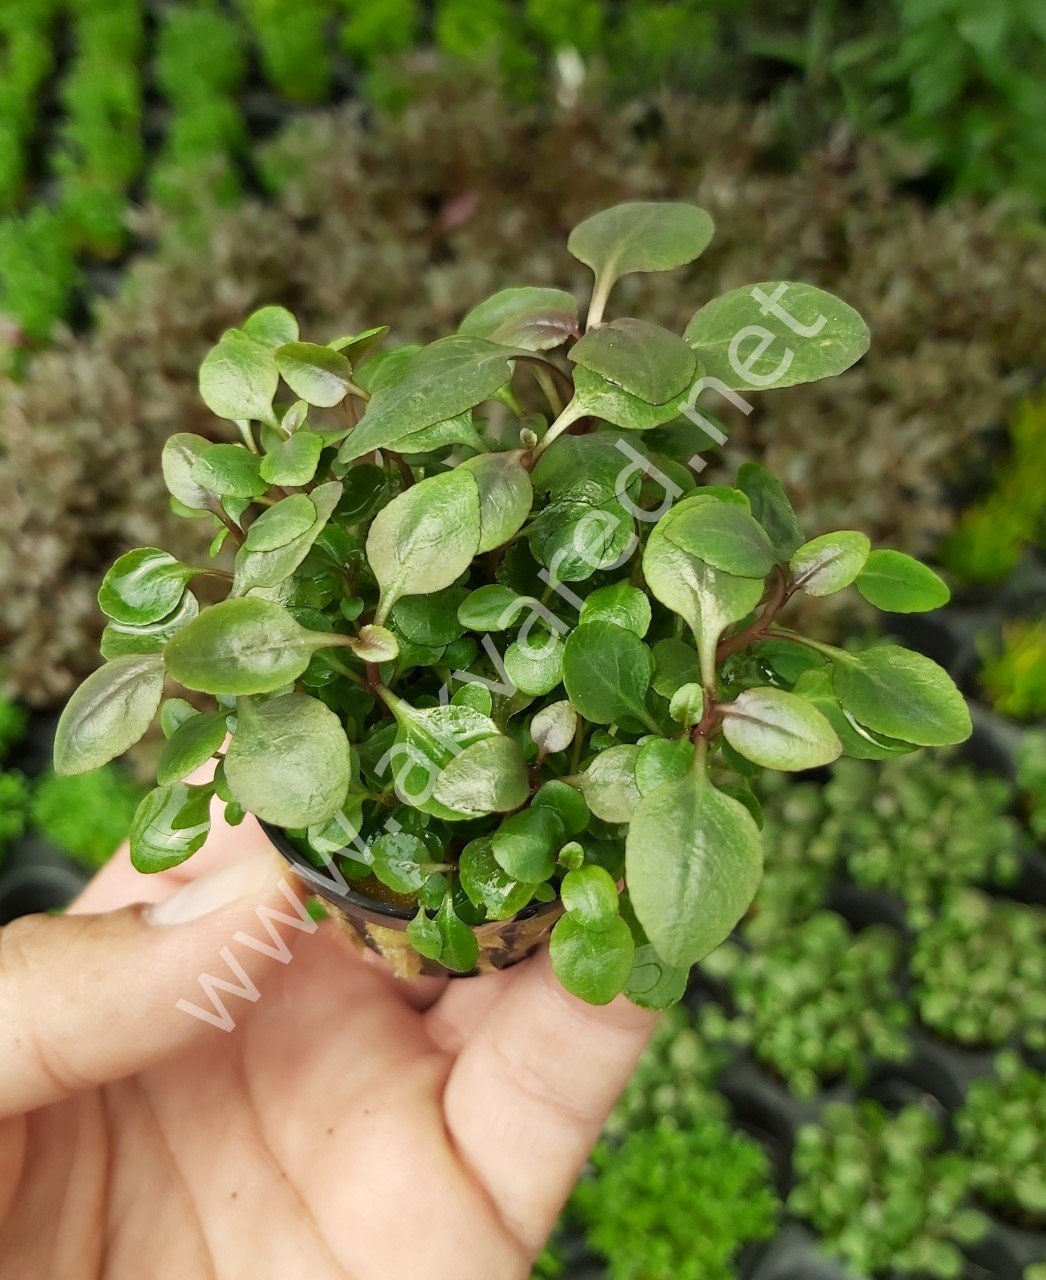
(350, 1126)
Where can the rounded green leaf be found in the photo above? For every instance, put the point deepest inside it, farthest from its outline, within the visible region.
(292, 461)
(529, 318)
(779, 730)
(401, 861)
(289, 761)
(430, 620)
(640, 236)
(316, 374)
(439, 382)
(770, 506)
(620, 603)
(589, 896)
(281, 523)
(490, 608)
(273, 326)
(653, 984)
(553, 727)
(119, 638)
(902, 694)
(675, 664)
(270, 568)
(687, 704)
(693, 860)
(143, 586)
(108, 713)
(641, 358)
(607, 672)
(424, 538)
(597, 397)
(535, 665)
(241, 646)
(173, 713)
(661, 759)
(238, 377)
(180, 454)
(459, 948)
(525, 844)
(191, 744)
(424, 936)
(488, 777)
(592, 964)
(230, 470)
(776, 334)
(609, 785)
(858, 740)
(725, 536)
(170, 825)
(505, 495)
(828, 563)
(901, 584)
(374, 644)
(487, 885)
(566, 801)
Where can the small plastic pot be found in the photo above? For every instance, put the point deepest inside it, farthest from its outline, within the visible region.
(29, 891)
(382, 926)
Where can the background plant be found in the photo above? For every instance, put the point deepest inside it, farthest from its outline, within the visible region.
(881, 1193)
(980, 970)
(1014, 670)
(1000, 1128)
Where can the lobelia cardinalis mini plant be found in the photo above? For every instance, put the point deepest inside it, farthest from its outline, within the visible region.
(489, 654)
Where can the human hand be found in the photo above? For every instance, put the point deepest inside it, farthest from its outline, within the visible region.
(350, 1125)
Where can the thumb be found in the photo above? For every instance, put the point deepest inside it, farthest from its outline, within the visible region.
(85, 999)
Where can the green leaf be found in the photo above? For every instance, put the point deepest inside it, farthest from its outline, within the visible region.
(425, 538)
(180, 454)
(427, 740)
(238, 378)
(143, 586)
(458, 430)
(661, 759)
(525, 844)
(707, 599)
(529, 318)
(576, 539)
(173, 713)
(356, 345)
(687, 704)
(609, 785)
(779, 730)
(490, 608)
(815, 685)
(828, 563)
(724, 536)
(401, 861)
(901, 694)
(230, 470)
(675, 665)
(316, 374)
(488, 777)
(424, 936)
(607, 672)
(553, 727)
(440, 381)
(653, 984)
(241, 646)
(292, 461)
(459, 948)
(592, 964)
(640, 236)
(693, 859)
(272, 326)
(566, 801)
(270, 568)
(374, 644)
(169, 825)
(901, 584)
(281, 523)
(590, 468)
(505, 496)
(535, 668)
(641, 358)
(776, 334)
(190, 745)
(770, 506)
(108, 713)
(486, 883)
(596, 397)
(589, 897)
(289, 762)
(432, 619)
(620, 603)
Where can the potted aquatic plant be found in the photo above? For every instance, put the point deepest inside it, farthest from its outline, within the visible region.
(491, 663)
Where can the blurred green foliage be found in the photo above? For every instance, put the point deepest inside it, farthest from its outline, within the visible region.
(86, 816)
(1014, 670)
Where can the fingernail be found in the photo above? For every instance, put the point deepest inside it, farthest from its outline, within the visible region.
(251, 878)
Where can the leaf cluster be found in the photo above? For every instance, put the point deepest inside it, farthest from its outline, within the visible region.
(485, 642)
(881, 1193)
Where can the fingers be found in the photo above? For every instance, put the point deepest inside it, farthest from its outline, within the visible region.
(457, 1013)
(90, 998)
(530, 1091)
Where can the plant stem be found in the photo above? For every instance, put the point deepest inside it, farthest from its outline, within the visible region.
(774, 602)
(570, 415)
(598, 303)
